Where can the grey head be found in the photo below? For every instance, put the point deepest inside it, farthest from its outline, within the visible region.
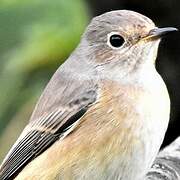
(122, 39)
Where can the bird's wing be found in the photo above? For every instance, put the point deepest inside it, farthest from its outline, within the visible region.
(54, 118)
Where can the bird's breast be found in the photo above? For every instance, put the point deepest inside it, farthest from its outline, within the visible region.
(131, 123)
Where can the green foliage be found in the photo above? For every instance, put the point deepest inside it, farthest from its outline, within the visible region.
(36, 36)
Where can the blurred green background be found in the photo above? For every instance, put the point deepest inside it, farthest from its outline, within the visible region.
(36, 36)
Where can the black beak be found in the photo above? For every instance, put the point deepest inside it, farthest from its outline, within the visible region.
(159, 32)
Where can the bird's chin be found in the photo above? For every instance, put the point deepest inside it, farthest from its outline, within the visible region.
(146, 52)
(151, 50)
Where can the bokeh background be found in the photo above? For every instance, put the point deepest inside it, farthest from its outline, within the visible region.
(36, 36)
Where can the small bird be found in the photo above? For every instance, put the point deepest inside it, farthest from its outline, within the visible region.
(104, 113)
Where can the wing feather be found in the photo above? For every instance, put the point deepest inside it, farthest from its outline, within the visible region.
(42, 134)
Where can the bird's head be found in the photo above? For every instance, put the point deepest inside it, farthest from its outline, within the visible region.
(123, 39)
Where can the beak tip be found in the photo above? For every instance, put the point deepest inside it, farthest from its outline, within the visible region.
(174, 29)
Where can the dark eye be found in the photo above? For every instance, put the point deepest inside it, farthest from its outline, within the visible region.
(116, 40)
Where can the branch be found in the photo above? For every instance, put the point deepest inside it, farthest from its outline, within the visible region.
(167, 163)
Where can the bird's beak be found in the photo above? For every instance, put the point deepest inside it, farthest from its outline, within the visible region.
(157, 33)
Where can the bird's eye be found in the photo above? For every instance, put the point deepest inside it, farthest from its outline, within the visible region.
(116, 41)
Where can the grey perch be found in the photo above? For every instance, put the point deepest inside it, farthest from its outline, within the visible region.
(167, 163)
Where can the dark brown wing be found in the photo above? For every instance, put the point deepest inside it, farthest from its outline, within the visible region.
(63, 103)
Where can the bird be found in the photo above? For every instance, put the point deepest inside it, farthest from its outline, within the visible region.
(104, 113)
